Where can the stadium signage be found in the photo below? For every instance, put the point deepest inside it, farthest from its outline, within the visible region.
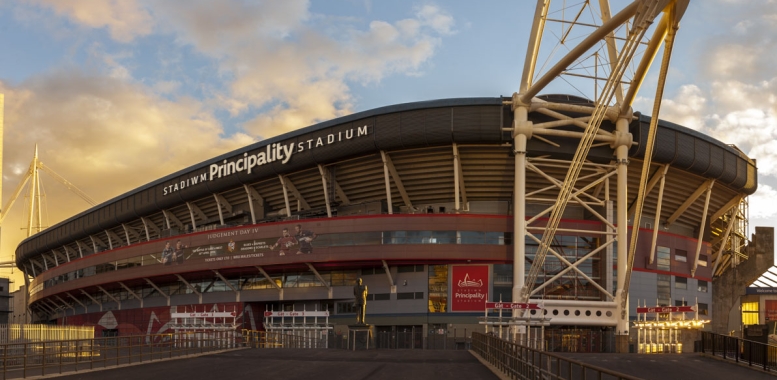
(755, 290)
(666, 309)
(213, 314)
(513, 305)
(281, 152)
(469, 288)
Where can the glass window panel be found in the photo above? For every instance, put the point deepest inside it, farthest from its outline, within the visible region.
(680, 255)
(680, 282)
(702, 286)
(444, 237)
(662, 258)
(438, 288)
(497, 238)
(471, 237)
(367, 238)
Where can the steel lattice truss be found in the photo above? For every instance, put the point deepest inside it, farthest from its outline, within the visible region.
(605, 57)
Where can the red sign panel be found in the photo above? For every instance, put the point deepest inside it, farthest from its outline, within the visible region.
(513, 306)
(469, 287)
(666, 309)
(771, 310)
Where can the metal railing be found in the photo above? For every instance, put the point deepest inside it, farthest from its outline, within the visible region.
(521, 362)
(754, 354)
(16, 332)
(269, 339)
(25, 359)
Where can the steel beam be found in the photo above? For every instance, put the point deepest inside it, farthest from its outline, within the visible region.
(132, 293)
(267, 276)
(734, 202)
(285, 194)
(92, 298)
(86, 309)
(237, 291)
(302, 203)
(323, 172)
(253, 195)
(218, 207)
(657, 217)
(702, 226)
(392, 283)
(188, 285)
(321, 278)
(153, 285)
(110, 296)
(688, 202)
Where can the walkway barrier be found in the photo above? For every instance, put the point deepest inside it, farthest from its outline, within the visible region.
(521, 362)
(754, 354)
(269, 339)
(15, 332)
(26, 359)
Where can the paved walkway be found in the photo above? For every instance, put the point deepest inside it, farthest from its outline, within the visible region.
(334, 364)
(291, 364)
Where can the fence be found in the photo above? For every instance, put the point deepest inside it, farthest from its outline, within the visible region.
(754, 354)
(21, 360)
(521, 362)
(37, 333)
(269, 339)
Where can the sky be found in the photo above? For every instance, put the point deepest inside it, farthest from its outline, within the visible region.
(118, 93)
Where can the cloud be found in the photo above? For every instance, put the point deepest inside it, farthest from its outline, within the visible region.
(762, 204)
(734, 95)
(105, 134)
(274, 55)
(125, 19)
(279, 55)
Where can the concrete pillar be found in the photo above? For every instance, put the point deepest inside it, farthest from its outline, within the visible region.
(730, 286)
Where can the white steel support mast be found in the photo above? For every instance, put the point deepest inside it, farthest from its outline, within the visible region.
(35, 213)
(612, 85)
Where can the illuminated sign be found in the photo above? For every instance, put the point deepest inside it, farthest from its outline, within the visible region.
(281, 152)
(666, 309)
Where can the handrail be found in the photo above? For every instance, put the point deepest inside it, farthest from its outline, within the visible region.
(521, 362)
(272, 339)
(752, 353)
(23, 359)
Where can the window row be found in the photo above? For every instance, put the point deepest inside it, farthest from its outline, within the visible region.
(180, 254)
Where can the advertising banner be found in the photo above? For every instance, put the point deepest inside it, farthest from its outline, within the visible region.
(469, 287)
(291, 240)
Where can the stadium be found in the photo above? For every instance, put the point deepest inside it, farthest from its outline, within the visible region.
(420, 200)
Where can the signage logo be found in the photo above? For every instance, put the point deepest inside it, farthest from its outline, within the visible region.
(469, 290)
(281, 152)
(467, 283)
